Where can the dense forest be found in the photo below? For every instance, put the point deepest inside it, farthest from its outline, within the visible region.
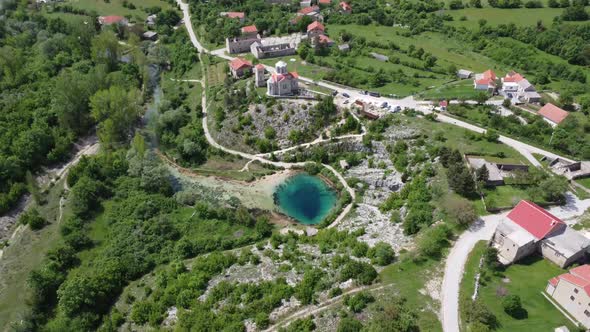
(59, 82)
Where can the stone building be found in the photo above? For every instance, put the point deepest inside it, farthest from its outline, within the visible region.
(282, 82)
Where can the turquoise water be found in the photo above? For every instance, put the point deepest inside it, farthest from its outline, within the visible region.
(305, 198)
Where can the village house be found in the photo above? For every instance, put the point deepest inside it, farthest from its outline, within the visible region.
(112, 19)
(234, 15)
(516, 86)
(572, 292)
(312, 11)
(324, 3)
(485, 81)
(150, 21)
(305, 3)
(240, 44)
(259, 75)
(240, 67)
(345, 8)
(315, 29)
(282, 82)
(443, 104)
(249, 30)
(271, 51)
(527, 93)
(552, 114)
(497, 172)
(571, 170)
(529, 228)
(150, 35)
(464, 73)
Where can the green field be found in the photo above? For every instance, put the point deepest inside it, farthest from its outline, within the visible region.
(410, 277)
(25, 253)
(460, 89)
(527, 280)
(115, 7)
(496, 16)
(461, 139)
(506, 196)
(447, 50)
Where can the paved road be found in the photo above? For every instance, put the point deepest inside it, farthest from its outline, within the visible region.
(483, 230)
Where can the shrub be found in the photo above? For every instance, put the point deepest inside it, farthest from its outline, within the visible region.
(358, 302)
(381, 254)
(33, 219)
(513, 306)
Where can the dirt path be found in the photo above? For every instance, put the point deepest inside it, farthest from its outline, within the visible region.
(312, 310)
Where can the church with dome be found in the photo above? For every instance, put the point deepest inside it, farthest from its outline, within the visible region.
(282, 82)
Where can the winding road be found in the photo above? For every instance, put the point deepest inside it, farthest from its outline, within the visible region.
(482, 230)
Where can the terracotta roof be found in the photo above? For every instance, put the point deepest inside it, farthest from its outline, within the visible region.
(489, 74)
(309, 10)
(579, 276)
(534, 219)
(315, 25)
(345, 5)
(111, 19)
(238, 63)
(513, 77)
(249, 29)
(323, 39)
(487, 81)
(325, 2)
(553, 113)
(235, 14)
(259, 66)
(443, 103)
(280, 77)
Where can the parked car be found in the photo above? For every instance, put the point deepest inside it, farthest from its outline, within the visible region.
(334, 93)
(374, 94)
(346, 95)
(384, 104)
(394, 108)
(346, 101)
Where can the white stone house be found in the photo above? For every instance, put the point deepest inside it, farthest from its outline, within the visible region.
(572, 292)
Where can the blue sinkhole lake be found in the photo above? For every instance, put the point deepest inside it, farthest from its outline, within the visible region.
(305, 198)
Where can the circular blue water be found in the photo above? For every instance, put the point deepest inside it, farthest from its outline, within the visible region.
(305, 198)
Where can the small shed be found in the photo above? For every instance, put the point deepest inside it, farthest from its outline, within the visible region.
(344, 48)
(150, 35)
(464, 73)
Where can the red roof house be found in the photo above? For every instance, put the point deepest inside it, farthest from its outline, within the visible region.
(239, 15)
(249, 29)
(572, 292)
(324, 2)
(112, 19)
(309, 11)
(553, 113)
(239, 67)
(489, 74)
(513, 77)
(316, 26)
(534, 219)
(529, 228)
(443, 104)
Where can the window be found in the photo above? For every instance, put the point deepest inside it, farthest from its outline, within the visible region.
(571, 298)
(576, 290)
(587, 313)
